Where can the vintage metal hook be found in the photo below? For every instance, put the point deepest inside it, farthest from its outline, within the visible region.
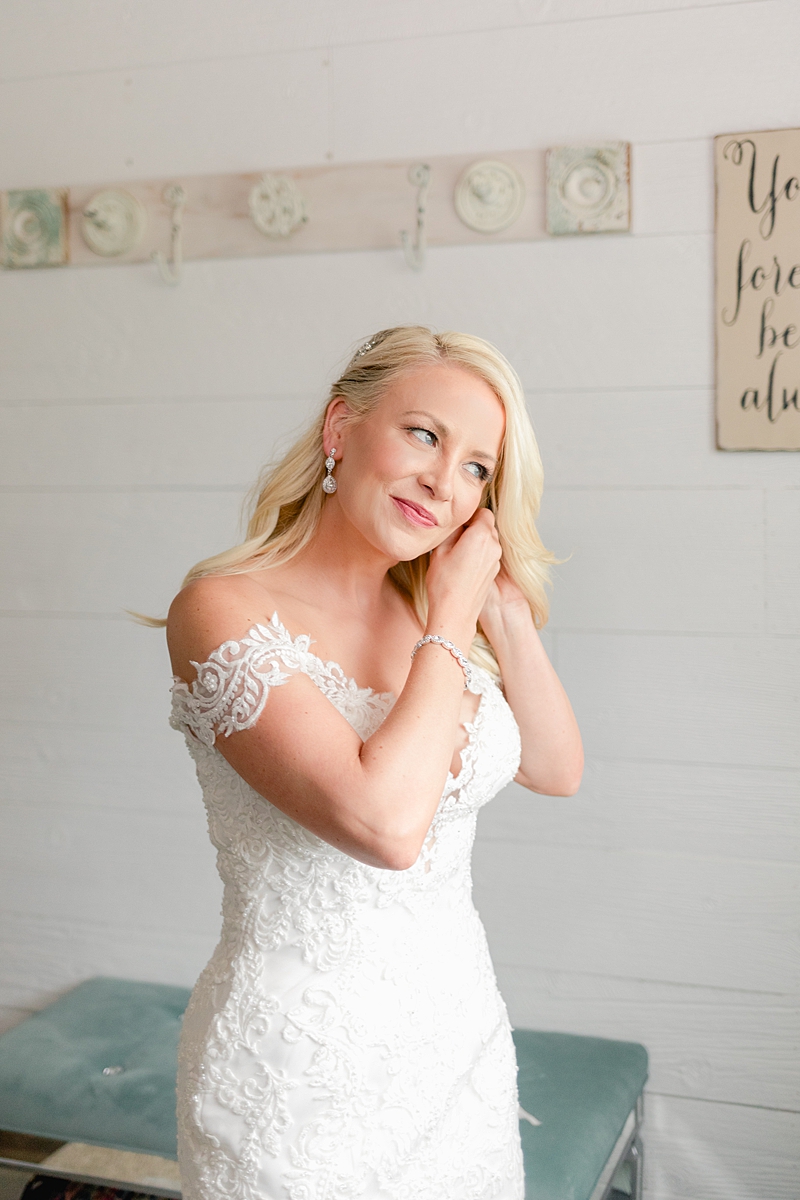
(174, 197)
(420, 177)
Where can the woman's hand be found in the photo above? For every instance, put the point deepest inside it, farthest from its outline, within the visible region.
(552, 755)
(505, 602)
(461, 574)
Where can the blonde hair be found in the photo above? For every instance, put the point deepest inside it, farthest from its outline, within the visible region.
(287, 500)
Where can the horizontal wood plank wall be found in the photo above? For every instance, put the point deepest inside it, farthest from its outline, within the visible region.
(660, 903)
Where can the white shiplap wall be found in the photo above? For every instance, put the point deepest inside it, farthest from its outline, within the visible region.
(660, 904)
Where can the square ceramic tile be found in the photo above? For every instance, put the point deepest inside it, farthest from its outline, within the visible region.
(588, 188)
(34, 225)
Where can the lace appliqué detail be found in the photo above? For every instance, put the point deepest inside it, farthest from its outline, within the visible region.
(233, 684)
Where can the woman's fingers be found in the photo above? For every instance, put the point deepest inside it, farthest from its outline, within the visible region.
(463, 569)
(449, 541)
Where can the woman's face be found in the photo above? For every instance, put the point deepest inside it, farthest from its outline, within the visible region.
(416, 469)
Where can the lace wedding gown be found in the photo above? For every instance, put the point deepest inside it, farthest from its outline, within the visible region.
(347, 1040)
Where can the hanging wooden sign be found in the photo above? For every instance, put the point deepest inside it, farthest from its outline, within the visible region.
(758, 290)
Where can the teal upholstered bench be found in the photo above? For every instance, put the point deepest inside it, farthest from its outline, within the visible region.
(97, 1069)
(587, 1095)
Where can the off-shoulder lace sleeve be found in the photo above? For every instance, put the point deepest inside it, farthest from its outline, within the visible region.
(232, 686)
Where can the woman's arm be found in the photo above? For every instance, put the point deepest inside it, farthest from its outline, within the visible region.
(552, 754)
(374, 800)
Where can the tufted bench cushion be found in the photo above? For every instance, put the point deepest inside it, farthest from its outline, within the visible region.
(583, 1090)
(60, 1073)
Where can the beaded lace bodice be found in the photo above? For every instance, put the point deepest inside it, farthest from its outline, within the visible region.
(347, 1039)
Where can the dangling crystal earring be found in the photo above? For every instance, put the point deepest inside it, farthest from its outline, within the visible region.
(329, 483)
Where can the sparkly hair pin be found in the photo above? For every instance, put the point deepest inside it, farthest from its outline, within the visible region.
(368, 345)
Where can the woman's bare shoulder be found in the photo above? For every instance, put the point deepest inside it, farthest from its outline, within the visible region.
(210, 611)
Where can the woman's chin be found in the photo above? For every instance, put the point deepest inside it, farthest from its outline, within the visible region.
(405, 547)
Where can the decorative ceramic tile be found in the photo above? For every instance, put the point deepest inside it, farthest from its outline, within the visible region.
(277, 207)
(113, 222)
(34, 227)
(489, 196)
(588, 188)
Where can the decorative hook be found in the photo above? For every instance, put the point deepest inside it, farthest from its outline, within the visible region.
(420, 178)
(174, 197)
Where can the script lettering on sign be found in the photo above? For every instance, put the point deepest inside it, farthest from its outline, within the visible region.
(758, 290)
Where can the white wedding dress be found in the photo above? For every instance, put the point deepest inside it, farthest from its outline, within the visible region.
(347, 1040)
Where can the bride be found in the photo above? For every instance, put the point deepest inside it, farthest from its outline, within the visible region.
(354, 682)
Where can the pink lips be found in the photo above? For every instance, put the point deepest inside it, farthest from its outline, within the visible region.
(415, 513)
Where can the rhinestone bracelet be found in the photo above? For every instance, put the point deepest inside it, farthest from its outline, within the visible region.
(454, 650)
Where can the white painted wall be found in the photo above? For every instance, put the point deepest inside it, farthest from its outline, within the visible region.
(661, 903)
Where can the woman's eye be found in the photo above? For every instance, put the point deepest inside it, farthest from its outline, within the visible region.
(479, 471)
(430, 439)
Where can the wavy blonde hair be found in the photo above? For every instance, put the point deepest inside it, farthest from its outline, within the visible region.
(288, 498)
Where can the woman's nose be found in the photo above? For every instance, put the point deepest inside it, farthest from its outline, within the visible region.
(438, 481)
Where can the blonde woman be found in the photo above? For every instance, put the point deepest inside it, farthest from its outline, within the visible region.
(354, 682)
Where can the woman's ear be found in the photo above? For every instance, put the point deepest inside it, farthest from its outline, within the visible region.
(334, 428)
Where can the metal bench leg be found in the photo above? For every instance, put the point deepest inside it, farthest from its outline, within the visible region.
(636, 1159)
